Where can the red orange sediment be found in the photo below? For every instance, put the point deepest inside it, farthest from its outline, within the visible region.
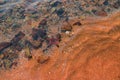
(92, 54)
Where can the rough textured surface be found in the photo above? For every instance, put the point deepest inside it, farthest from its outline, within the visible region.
(93, 53)
(59, 39)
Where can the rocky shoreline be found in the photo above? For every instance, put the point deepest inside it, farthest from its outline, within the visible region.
(48, 29)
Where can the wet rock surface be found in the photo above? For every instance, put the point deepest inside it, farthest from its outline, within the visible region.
(28, 26)
(91, 54)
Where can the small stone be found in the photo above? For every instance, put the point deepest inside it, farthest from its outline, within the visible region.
(106, 2)
(56, 3)
(15, 26)
(38, 34)
(43, 59)
(67, 32)
(28, 53)
(77, 23)
(60, 12)
(101, 13)
(116, 4)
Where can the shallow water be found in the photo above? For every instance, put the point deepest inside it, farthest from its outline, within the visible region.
(8, 4)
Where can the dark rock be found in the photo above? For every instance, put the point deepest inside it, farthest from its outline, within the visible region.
(80, 8)
(52, 41)
(106, 2)
(17, 38)
(4, 45)
(29, 57)
(15, 26)
(55, 4)
(116, 4)
(94, 11)
(22, 16)
(58, 36)
(43, 23)
(38, 37)
(21, 10)
(108, 10)
(18, 47)
(77, 23)
(38, 34)
(60, 12)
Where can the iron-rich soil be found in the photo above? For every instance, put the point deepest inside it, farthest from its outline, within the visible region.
(76, 40)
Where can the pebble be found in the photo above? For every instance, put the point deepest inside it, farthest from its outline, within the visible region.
(101, 13)
(106, 2)
(67, 32)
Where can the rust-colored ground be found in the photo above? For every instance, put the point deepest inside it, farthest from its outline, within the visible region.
(93, 53)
